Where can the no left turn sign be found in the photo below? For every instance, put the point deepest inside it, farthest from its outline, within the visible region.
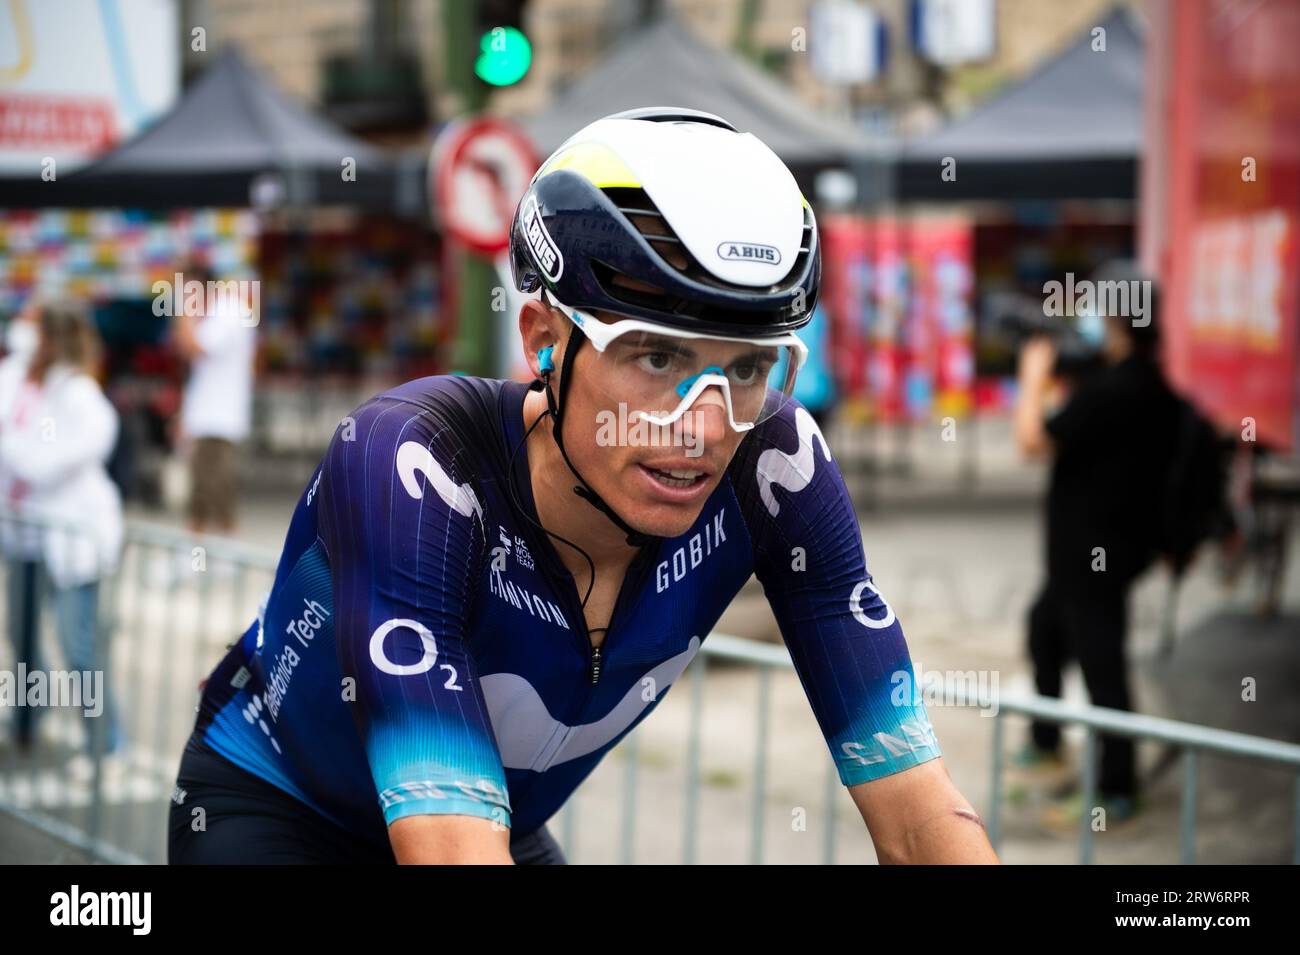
(479, 169)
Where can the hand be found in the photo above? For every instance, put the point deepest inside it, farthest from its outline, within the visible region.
(1037, 357)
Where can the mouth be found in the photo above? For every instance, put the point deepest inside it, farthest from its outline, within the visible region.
(676, 483)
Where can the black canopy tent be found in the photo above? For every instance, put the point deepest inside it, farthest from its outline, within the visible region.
(1071, 129)
(665, 65)
(230, 130)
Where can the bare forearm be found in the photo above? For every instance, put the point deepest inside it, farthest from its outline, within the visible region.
(955, 837)
(1031, 436)
(918, 816)
(1034, 376)
(449, 840)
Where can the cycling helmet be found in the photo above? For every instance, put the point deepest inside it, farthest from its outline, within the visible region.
(632, 191)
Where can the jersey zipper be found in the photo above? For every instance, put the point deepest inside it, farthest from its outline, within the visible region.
(631, 583)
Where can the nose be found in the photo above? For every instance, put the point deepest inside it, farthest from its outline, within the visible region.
(706, 418)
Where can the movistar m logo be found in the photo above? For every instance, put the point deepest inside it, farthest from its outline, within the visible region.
(749, 252)
(794, 472)
(529, 737)
(413, 457)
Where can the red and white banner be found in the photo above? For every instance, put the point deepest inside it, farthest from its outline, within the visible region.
(1221, 206)
(78, 76)
(899, 296)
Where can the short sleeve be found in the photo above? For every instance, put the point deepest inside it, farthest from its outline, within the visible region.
(1085, 416)
(216, 332)
(845, 640)
(404, 533)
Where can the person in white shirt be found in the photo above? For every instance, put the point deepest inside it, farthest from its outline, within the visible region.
(216, 409)
(58, 431)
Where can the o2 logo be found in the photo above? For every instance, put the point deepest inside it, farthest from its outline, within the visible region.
(855, 604)
(385, 664)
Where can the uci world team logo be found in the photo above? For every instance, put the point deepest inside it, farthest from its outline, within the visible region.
(545, 252)
(749, 252)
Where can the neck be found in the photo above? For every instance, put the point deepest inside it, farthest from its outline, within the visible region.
(560, 510)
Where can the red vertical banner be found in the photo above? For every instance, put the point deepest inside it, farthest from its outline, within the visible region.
(886, 368)
(846, 277)
(899, 297)
(940, 336)
(1225, 214)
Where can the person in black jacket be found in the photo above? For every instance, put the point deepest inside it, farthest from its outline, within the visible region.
(1110, 443)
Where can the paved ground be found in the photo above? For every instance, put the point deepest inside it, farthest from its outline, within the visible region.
(957, 561)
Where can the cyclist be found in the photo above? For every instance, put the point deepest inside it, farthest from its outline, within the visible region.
(487, 584)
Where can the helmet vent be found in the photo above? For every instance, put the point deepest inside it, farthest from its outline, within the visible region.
(638, 209)
(636, 205)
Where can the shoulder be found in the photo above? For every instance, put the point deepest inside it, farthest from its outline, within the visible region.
(450, 396)
(404, 478)
(444, 427)
(12, 369)
(453, 408)
(1092, 402)
(75, 386)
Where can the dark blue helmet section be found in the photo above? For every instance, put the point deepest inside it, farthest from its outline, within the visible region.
(575, 239)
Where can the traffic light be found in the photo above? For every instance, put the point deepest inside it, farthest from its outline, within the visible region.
(504, 51)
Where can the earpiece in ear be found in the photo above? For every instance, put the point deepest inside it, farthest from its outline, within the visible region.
(544, 358)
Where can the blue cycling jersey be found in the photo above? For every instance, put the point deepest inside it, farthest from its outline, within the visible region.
(423, 649)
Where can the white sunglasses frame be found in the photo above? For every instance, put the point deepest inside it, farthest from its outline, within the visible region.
(600, 334)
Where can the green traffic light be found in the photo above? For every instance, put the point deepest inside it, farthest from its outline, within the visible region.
(504, 56)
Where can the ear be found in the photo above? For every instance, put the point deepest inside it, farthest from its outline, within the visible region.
(539, 327)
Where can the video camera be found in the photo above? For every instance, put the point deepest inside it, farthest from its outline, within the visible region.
(1015, 317)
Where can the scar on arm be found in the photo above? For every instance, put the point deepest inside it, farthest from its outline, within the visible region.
(961, 812)
(971, 815)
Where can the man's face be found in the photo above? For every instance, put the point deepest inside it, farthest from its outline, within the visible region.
(1118, 342)
(656, 478)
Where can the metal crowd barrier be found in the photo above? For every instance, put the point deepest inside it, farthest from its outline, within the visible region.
(176, 602)
(1193, 740)
(165, 615)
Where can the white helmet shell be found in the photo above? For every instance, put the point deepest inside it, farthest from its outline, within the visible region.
(726, 195)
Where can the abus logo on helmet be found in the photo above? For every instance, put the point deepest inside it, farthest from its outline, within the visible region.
(544, 248)
(749, 252)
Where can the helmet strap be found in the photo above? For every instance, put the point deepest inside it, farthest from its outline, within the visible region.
(555, 409)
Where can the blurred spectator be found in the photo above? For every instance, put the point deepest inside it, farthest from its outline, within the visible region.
(216, 410)
(21, 543)
(58, 433)
(1111, 444)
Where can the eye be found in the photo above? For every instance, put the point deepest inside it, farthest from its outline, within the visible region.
(749, 373)
(656, 362)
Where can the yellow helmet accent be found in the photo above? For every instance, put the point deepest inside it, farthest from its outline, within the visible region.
(597, 163)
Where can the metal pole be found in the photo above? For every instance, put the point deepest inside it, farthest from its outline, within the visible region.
(1187, 826)
(760, 766)
(1089, 796)
(1295, 836)
(995, 783)
(631, 752)
(475, 350)
(690, 817)
(569, 828)
(828, 837)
